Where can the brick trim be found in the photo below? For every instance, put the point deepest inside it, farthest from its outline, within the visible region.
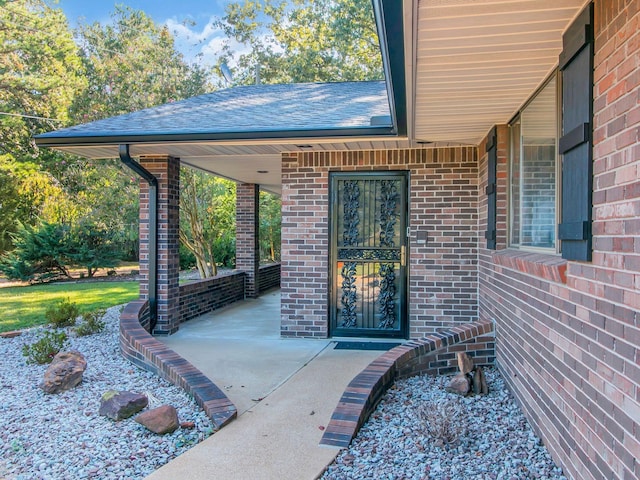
(367, 388)
(549, 267)
(140, 348)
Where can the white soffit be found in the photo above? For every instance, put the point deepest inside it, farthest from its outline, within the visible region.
(477, 62)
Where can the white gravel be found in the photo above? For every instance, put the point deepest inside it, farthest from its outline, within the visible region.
(495, 440)
(62, 436)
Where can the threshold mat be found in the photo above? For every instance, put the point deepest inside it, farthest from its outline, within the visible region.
(366, 345)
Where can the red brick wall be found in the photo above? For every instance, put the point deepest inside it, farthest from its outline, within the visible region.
(247, 235)
(209, 294)
(167, 171)
(571, 351)
(443, 203)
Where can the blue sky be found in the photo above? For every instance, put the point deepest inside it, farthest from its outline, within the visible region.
(191, 21)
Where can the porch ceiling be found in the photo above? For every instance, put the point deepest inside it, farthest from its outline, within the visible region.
(477, 61)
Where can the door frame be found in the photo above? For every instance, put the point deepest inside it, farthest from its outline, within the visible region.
(333, 294)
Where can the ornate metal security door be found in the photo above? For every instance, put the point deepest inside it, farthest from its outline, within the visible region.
(368, 254)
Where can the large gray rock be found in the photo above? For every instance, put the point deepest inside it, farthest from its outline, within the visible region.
(120, 405)
(460, 384)
(161, 420)
(64, 373)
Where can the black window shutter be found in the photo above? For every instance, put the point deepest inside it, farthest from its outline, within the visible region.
(576, 64)
(492, 155)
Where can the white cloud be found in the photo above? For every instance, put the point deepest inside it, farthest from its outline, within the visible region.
(194, 41)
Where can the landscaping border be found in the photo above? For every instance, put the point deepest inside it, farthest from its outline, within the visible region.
(431, 354)
(140, 348)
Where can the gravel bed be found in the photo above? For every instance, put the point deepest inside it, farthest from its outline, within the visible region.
(494, 440)
(62, 436)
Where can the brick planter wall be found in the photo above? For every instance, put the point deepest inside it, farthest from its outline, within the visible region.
(416, 356)
(140, 348)
(269, 277)
(443, 204)
(204, 296)
(568, 333)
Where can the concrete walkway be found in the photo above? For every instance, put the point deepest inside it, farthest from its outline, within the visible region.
(285, 391)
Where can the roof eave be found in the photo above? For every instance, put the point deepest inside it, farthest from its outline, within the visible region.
(46, 140)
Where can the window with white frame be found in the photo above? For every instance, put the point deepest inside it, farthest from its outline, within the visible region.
(533, 170)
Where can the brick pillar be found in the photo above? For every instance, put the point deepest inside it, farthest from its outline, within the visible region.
(247, 235)
(167, 171)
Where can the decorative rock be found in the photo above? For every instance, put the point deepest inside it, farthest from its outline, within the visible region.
(120, 405)
(11, 334)
(187, 425)
(161, 420)
(64, 373)
(465, 363)
(482, 380)
(460, 384)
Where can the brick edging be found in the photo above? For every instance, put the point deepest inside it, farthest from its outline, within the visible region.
(367, 388)
(140, 348)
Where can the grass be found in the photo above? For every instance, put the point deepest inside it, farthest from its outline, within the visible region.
(24, 307)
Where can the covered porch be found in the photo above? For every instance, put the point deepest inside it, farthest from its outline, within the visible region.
(473, 90)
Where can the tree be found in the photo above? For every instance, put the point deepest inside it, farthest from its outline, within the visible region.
(132, 64)
(207, 220)
(40, 74)
(270, 227)
(40, 254)
(299, 41)
(92, 247)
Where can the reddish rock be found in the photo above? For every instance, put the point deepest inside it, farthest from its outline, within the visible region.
(460, 384)
(12, 334)
(187, 425)
(64, 373)
(161, 420)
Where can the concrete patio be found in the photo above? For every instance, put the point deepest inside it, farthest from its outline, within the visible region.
(285, 391)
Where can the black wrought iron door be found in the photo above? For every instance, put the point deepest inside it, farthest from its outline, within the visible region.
(368, 254)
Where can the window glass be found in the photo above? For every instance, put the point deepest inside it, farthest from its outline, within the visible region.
(533, 172)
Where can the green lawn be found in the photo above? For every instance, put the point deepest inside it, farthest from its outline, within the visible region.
(23, 307)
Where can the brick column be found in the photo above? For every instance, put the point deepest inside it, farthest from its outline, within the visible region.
(248, 236)
(167, 171)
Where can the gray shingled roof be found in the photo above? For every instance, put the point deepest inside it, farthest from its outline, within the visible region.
(257, 108)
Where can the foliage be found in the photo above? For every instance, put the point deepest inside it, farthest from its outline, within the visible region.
(24, 307)
(207, 220)
(445, 422)
(25, 194)
(40, 73)
(91, 323)
(40, 254)
(92, 247)
(62, 314)
(301, 41)
(270, 227)
(46, 252)
(43, 350)
(132, 64)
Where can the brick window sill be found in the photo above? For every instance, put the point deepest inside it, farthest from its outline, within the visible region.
(549, 267)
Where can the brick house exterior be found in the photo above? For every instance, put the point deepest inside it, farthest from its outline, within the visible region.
(569, 344)
(567, 332)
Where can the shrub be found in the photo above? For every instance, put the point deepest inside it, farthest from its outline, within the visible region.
(62, 314)
(91, 323)
(445, 422)
(43, 350)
